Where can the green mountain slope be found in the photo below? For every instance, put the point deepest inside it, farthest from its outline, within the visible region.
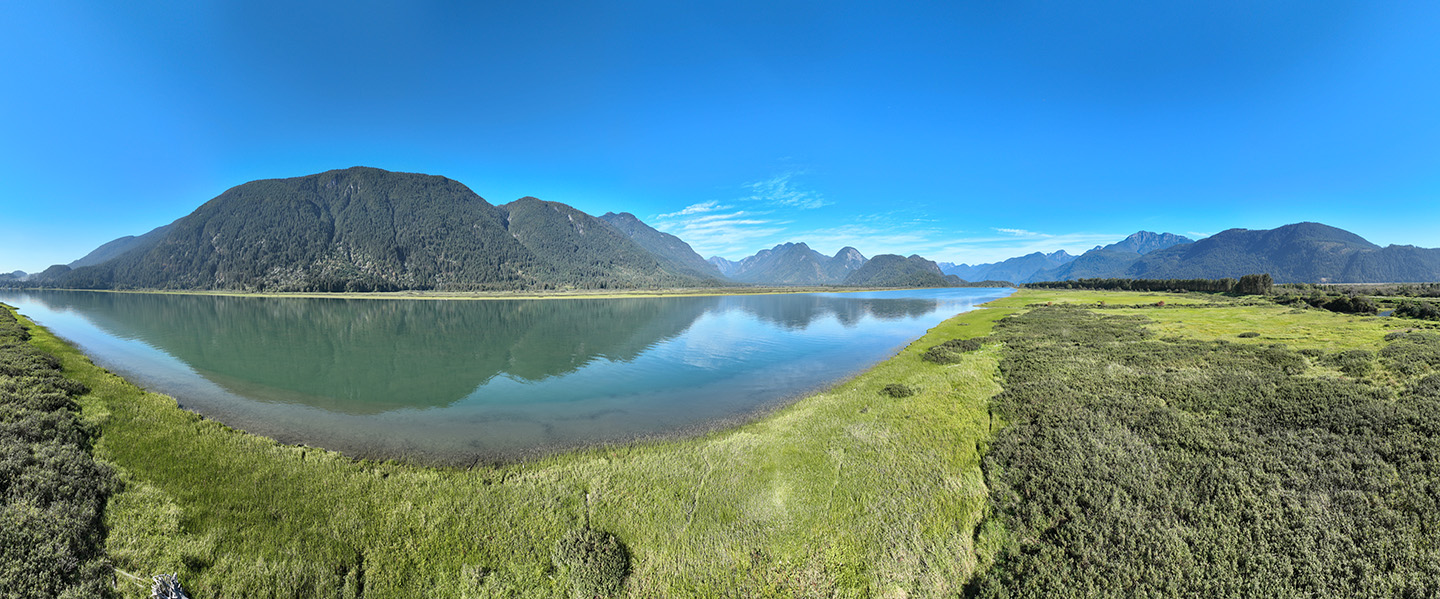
(116, 248)
(663, 245)
(583, 251)
(358, 229)
(890, 270)
(366, 229)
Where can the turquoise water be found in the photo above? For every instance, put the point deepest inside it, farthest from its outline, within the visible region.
(459, 381)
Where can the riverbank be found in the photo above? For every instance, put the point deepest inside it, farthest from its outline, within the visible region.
(848, 492)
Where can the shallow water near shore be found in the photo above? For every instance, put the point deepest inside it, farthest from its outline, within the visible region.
(457, 382)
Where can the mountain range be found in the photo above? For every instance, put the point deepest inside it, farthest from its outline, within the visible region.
(792, 264)
(366, 229)
(1298, 253)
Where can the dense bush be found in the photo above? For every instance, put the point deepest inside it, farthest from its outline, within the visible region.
(950, 351)
(594, 561)
(1418, 309)
(899, 390)
(52, 491)
(1412, 354)
(1335, 302)
(1135, 466)
(1248, 335)
(1355, 362)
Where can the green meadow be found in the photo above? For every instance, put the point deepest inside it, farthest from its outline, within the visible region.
(886, 485)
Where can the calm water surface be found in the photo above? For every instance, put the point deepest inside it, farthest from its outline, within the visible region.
(458, 381)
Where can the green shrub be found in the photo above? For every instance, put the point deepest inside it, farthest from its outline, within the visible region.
(1418, 309)
(1355, 362)
(1412, 354)
(1248, 335)
(595, 562)
(52, 491)
(1427, 387)
(950, 351)
(899, 390)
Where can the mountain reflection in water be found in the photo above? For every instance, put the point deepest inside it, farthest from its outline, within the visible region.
(525, 360)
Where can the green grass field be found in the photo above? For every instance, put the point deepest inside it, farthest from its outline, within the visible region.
(846, 493)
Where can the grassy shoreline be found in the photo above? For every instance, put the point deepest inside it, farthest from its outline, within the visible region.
(844, 493)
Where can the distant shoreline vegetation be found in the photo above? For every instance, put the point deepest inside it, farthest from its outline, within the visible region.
(526, 294)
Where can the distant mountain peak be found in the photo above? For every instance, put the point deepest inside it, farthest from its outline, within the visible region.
(1060, 256)
(1144, 242)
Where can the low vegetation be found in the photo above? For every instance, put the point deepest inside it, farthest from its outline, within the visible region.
(594, 561)
(1144, 465)
(952, 351)
(52, 491)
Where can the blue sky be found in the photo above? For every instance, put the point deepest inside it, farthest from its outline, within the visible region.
(963, 131)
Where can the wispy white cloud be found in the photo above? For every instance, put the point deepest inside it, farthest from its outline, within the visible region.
(1019, 232)
(731, 234)
(779, 191)
(701, 208)
(759, 216)
(1197, 236)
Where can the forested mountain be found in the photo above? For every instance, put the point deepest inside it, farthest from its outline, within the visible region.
(890, 270)
(585, 251)
(795, 264)
(1298, 253)
(663, 245)
(366, 229)
(116, 248)
(18, 275)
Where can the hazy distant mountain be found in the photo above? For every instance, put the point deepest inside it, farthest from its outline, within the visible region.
(723, 265)
(13, 277)
(366, 229)
(1298, 253)
(1145, 242)
(664, 245)
(795, 264)
(844, 263)
(1014, 270)
(116, 248)
(1105, 260)
(890, 270)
